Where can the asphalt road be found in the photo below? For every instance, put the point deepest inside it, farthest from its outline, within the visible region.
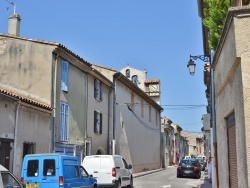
(165, 179)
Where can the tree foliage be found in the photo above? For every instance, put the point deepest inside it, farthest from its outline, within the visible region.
(214, 16)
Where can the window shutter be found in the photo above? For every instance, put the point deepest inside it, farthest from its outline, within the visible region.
(95, 88)
(64, 75)
(95, 122)
(100, 123)
(101, 91)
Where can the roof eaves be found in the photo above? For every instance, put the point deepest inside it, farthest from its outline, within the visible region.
(24, 99)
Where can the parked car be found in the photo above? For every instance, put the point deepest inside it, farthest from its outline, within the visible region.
(7, 179)
(202, 163)
(54, 170)
(187, 157)
(189, 168)
(202, 157)
(109, 170)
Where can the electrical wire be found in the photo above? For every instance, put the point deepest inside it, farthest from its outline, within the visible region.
(141, 122)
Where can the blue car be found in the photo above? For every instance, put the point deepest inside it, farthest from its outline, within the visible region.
(54, 170)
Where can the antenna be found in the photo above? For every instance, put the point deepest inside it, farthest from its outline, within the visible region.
(14, 5)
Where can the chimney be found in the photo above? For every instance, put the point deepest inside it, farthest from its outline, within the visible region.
(14, 25)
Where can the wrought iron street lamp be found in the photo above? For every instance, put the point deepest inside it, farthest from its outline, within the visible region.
(191, 65)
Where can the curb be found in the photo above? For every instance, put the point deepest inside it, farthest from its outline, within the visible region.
(139, 174)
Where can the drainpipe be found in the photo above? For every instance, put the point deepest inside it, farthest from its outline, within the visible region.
(86, 117)
(215, 179)
(109, 106)
(15, 138)
(53, 98)
(114, 113)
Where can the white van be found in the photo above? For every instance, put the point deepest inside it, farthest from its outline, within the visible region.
(109, 170)
(7, 179)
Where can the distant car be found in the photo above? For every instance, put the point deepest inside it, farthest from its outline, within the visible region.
(189, 168)
(202, 163)
(187, 157)
(7, 179)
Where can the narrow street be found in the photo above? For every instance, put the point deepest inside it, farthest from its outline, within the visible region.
(167, 179)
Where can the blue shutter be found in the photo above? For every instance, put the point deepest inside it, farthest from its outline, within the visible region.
(101, 91)
(95, 121)
(100, 123)
(64, 122)
(95, 88)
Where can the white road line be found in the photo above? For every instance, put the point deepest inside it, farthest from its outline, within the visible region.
(172, 177)
(166, 186)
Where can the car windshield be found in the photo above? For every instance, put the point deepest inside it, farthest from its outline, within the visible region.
(9, 180)
(187, 162)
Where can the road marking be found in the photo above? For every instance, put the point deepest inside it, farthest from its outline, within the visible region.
(191, 182)
(166, 186)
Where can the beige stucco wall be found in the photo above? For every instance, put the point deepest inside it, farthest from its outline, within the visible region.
(32, 126)
(100, 141)
(139, 145)
(76, 98)
(231, 77)
(26, 68)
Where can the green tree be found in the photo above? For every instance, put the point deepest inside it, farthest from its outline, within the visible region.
(214, 17)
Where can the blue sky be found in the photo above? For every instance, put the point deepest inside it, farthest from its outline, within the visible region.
(156, 35)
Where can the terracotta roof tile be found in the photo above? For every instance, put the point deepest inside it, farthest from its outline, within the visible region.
(25, 99)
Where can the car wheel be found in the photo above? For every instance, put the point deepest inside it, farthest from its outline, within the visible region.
(131, 183)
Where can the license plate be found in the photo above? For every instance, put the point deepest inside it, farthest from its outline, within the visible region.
(32, 185)
(188, 171)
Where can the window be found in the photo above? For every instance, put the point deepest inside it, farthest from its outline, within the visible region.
(64, 122)
(9, 180)
(32, 169)
(29, 148)
(65, 75)
(97, 122)
(49, 167)
(128, 73)
(98, 90)
(135, 79)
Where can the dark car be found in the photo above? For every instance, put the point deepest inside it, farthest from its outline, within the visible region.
(189, 168)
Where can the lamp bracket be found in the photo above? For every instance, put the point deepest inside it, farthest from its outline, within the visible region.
(205, 58)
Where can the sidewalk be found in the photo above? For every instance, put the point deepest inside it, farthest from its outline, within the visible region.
(202, 183)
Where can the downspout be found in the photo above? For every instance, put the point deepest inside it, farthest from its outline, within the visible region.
(162, 150)
(109, 106)
(215, 172)
(53, 97)
(86, 117)
(114, 113)
(15, 138)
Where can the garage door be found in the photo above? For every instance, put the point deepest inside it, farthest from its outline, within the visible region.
(232, 157)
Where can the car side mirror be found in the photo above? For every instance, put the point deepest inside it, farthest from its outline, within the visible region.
(129, 166)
